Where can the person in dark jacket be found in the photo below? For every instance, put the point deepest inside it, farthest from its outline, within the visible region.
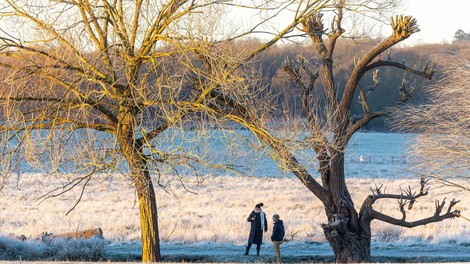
(277, 236)
(258, 221)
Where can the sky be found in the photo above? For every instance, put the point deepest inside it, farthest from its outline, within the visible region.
(438, 19)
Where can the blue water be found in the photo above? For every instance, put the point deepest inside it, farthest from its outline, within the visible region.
(379, 155)
(369, 155)
(219, 152)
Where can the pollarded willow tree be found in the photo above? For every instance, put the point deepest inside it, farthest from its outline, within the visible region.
(329, 127)
(92, 86)
(442, 146)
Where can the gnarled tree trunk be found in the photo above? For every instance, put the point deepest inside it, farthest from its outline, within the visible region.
(347, 246)
(348, 235)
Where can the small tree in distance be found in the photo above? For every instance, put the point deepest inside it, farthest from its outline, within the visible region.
(329, 127)
(442, 146)
(461, 35)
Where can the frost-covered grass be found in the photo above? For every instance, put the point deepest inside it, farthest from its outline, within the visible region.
(57, 249)
(216, 214)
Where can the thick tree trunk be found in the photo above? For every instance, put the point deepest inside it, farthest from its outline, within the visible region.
(148, 221)
(148, 210)
(348, 235)
(147, 200)
(348, 247)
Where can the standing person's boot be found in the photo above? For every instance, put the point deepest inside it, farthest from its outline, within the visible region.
(247, 249)
(246, 252)
(258, 247)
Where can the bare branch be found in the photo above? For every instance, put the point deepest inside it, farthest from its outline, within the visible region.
(401, 222)
(401, 204)
(313, 26)
(336, 29)
(358, 124)
(425, 73)
(378, 190)
(240, 114)
(451, 205)
(402, 27)
(407, 197)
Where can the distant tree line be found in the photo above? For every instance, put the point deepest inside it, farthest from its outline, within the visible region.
(270, 65)
(347, 51)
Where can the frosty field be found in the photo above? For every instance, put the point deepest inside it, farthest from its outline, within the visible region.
(211, 221)
(215, 218)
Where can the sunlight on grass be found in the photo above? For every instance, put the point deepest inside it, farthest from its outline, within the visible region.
(217, 213)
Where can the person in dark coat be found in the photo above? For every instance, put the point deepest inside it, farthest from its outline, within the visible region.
(258, 221)
(277, 236)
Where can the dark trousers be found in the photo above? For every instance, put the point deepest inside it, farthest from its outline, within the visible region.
(258, 247)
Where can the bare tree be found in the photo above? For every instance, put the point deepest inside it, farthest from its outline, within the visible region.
(329, 126)
(85, 85)
(93, 86)
(441, 148)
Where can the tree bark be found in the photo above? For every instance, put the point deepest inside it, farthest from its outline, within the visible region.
(349, 236)
(348, 247)
(148, 221)
(146, 195)
(147, 209)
